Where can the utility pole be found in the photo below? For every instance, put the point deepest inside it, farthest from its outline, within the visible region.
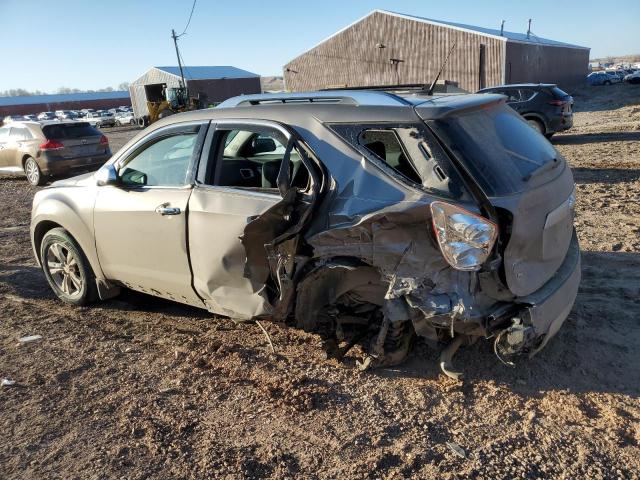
(528, 29)
(175, 42)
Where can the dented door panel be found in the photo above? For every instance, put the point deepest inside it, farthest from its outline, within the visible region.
(217, 219)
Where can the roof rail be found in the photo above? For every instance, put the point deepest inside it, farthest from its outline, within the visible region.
(347, 97)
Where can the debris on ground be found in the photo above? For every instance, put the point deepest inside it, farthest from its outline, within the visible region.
(29, 338)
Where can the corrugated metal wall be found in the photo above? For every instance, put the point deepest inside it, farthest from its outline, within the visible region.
(352, 57)
(546, 64)
(218, 90)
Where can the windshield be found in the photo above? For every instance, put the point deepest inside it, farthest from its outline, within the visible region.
(497, 147)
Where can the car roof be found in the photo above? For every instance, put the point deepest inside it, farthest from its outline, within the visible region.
(306, 109)
(520, 85)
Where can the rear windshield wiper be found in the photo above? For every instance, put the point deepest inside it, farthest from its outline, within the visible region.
(545, 167)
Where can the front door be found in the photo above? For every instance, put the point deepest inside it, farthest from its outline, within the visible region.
(234, 212)
(141, 224)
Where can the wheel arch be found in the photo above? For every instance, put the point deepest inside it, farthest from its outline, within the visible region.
(53, 213)
(537, 117)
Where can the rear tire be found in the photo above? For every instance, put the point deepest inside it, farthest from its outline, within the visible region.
(67, 269)
(536, 125)
(33, 172)
(607, 82)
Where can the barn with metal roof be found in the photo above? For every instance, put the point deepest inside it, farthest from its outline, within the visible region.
(388, 48)
(210, 84)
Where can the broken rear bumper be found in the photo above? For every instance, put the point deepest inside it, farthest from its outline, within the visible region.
(549, 306)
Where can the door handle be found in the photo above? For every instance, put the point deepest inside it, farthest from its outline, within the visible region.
(165, 209)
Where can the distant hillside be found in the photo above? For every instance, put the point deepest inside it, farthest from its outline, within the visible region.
(272, 84)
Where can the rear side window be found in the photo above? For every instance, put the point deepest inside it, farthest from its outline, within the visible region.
(4, 133)
(20, 133)
(385, 144)
(497, 147)
(407, 150)
(70, 130)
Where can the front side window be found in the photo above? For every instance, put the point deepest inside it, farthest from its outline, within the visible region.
(4, 134)
(163, 162)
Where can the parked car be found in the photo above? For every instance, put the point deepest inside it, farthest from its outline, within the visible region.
(125, 118)
(602, 78)
(12, 118)
(41, 149)
(100, 119)
(65, 115)
(547, 108)
(46, 116)
(30, 118)
(352, 214)
(633, 78)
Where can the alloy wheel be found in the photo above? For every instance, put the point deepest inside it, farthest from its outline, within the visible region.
(64, 269)
(32, 171)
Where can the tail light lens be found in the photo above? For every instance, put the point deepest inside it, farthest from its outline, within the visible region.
(557, 103)
(465, 239)
(51, 145)
(104, 141)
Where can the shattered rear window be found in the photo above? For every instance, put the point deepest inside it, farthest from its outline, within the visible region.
(498, 148)
(408, 150)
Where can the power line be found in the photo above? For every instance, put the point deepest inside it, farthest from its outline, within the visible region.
(193, 7)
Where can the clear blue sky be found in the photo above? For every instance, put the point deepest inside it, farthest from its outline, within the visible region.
(91, 44)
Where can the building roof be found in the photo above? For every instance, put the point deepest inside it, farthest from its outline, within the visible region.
(211, 72)
(515, 36)
(489, 32)
(62, 97)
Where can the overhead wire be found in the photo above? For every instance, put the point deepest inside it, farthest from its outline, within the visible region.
(193, 7)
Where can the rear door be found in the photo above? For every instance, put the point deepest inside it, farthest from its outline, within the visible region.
(255, 191)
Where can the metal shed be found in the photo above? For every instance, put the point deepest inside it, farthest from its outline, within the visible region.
(387, 48)
(213, 84)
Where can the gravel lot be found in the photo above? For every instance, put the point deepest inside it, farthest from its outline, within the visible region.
(138, 387)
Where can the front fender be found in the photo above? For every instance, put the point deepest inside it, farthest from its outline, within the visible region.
(57, 210)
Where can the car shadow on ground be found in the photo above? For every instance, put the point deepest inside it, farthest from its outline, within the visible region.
(605, 175)
(582, 138)
(592, 352)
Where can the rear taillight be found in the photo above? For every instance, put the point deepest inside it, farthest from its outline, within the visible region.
(104, 141)
(465, 239)
(558, 103)
(51, 145)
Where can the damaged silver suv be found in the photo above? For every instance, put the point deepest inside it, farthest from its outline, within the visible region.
(364, 216)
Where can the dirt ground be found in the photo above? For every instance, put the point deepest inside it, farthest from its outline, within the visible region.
(137, 387)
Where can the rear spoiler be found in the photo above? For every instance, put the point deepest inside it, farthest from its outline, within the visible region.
(443, 107)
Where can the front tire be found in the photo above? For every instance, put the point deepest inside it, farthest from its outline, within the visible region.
(33, 172)
(67, 269)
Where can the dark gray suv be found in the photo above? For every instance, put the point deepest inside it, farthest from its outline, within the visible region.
(544, 106)
(363, 216)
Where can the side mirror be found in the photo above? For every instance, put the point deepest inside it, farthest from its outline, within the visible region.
(107, 175)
